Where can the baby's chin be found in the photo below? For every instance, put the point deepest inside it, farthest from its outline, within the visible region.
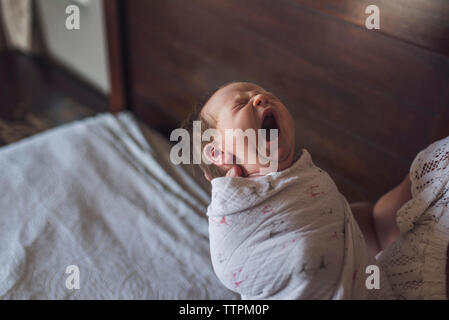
(251, 170)
(285, 158)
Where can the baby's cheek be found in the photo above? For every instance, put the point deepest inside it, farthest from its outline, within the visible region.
(247, 152)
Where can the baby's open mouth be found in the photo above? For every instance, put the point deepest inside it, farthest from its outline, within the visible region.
(269, 122)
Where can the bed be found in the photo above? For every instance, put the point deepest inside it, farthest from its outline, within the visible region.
(101, 194)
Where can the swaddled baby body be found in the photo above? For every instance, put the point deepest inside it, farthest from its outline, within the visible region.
(285, 234)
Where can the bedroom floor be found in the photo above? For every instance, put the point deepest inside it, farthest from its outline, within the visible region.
(38, 95)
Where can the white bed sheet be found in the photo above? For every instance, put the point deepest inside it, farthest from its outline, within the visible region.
(99, 195)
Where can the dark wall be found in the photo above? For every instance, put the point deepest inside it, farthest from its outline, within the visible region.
(364, 101)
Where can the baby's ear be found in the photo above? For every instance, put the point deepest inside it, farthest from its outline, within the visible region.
(217, 157)
(212, 154)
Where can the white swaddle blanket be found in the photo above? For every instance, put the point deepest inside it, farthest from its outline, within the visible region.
(287, 235)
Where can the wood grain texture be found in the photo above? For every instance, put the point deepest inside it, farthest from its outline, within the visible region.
(2, 34)
(113, 21)
(364, 103)
(38, 94)
(424, 23)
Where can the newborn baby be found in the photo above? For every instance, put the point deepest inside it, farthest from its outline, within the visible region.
(285, 234)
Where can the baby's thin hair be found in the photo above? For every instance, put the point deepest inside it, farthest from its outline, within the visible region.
(211, 170)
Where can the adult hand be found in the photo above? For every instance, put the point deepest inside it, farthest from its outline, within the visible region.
(235, 171)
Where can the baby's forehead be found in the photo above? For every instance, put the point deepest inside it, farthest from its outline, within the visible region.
(232, 90)
(227, 94)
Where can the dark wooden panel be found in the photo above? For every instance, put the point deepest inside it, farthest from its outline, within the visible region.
(364, 104)
(423, 23)
(2, 35)
(117, 96)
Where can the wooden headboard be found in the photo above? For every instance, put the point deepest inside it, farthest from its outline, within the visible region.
(364, 101)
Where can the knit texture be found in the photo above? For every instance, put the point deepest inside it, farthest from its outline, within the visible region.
(415, 263)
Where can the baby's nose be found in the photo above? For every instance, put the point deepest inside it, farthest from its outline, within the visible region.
(259, 101)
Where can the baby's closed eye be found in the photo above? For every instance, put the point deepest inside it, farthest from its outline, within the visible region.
(240, 104)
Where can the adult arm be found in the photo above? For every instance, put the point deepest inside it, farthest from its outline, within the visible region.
(384, 212)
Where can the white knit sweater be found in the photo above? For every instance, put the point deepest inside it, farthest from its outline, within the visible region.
(415, 264)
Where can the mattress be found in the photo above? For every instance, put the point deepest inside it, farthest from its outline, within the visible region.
(95, 210)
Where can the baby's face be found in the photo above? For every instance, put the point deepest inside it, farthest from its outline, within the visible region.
(244, 105)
